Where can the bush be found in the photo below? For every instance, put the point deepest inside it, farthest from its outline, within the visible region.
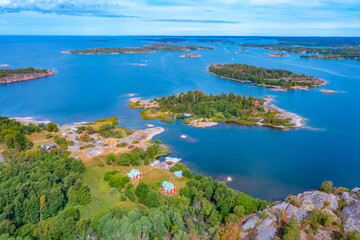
(263, 215)
(122, 198)
(110, 158)
(291, 231)
(130, 193)
(326, 186)
(198, 177)
(100, 164)
(49, 135)
(52, 127)
(177, 167)
(152, 199)
(123, 144)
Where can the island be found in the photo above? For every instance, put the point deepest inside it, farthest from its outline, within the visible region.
(343, 51)
(191, 55)
(144, 49)
(277, 55)
(97, 180)
(23, 74)
(183, 40)
(201, 110)
(327, 91)
(276, 79)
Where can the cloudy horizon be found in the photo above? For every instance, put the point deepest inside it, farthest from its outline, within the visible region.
(175, 17)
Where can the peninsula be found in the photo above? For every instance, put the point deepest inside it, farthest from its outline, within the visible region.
(101, 180)
(191, 55)
(144, 49)
(23, 74)
(201, 110)
(277, 79)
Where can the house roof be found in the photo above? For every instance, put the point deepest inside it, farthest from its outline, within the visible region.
(170, 159)
(178, 173)
(63, 134)
(167, 185)
(75, 129)
(133, 173)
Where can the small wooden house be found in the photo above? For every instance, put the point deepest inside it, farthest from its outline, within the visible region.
(168, 187)
(134, 174)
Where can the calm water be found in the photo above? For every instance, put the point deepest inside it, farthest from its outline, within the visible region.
(263, 162)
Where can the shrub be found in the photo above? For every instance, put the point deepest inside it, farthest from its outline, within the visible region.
(110, 158)
(291, 231)
(263, 215)
(48, 135)
(122, 198)
(100, 164)
(123, 144)
(326, 186)
(198, 177)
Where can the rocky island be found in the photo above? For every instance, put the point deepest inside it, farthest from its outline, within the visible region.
(191, 55)
(277, 55)
(144, 49)
(23, 74)
(276, 79)
(201, 110)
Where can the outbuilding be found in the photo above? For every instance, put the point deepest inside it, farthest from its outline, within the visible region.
(172, 161)
(178, 174)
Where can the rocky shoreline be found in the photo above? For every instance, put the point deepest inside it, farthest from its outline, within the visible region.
(341, 208)
(25, 77)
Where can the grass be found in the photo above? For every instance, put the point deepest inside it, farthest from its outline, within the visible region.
(134, 106)
(102, 200)
(38, 138)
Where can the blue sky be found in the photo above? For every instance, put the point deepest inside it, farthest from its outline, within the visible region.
(181, 17)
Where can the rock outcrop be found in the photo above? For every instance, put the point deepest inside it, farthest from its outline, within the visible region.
(341, 208)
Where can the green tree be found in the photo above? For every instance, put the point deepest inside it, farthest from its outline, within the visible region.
(142, 191)
(110, 158)
(291, 231)
(52, 127)
(152, 199)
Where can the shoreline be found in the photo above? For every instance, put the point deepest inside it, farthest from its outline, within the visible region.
(25, 77)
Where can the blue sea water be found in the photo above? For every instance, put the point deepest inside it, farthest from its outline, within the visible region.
(263, 162)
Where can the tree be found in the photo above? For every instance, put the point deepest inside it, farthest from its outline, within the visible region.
(187, 173)
(185, 191)
(43, 208)
(142, 191)
(158, 220)
(180, 235)
(52, 127)
(152, 199)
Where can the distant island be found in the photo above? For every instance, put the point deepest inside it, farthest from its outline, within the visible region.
(191, 55)
(201, 110)
(277, 79)
(23, 74)
(144, 49)
(183, 40)
(277, 55)
(345, 51)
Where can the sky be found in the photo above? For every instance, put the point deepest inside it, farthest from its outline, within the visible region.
(181, 17)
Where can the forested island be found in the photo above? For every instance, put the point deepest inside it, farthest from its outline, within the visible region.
(201, 110)
(348, 52)
(23, 74)
(183, 40)
(277, 55)
(144, 49)
(277, 79)
(190, 55)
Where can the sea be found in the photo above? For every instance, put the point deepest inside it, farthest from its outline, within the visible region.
(263, 162)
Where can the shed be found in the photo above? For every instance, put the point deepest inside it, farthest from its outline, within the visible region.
(178, 174)
(168, 187)
(172, 161)
(134, 174)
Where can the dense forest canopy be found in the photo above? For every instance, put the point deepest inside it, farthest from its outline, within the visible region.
(143, 49)
(261, 76)
(28, 70)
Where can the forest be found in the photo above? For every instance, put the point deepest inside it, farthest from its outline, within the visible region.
(28, 70)
(143, 49)
(263, 76)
